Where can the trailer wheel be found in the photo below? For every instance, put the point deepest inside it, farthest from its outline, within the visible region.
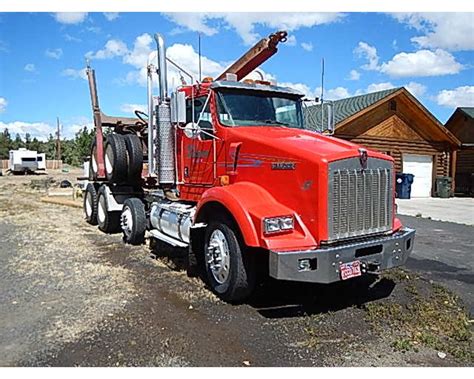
(109, 222)
(135, 157)
(115, 158)
(90, 204)
(230, 270)
(133, 221)
(93, 167)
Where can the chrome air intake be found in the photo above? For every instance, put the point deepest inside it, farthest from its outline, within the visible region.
(165, 152)
(360, 201)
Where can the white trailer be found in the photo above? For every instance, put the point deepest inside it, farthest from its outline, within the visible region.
(23, 160)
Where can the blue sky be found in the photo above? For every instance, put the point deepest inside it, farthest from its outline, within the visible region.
(42, 57)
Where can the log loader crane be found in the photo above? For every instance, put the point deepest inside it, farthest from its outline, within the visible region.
(226, 169)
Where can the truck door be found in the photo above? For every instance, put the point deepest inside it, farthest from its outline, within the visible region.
(199, 150)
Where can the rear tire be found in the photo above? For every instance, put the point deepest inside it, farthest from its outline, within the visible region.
(133, 221)
(109, 222)
(135, 157)
(230, 270)
(115, 158)
(90, 204)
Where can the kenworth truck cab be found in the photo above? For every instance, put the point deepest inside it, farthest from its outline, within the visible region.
(227, 169)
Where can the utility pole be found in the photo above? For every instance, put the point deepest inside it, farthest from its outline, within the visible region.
(58, 140)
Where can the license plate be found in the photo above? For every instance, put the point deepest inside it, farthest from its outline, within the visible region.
(350, 270)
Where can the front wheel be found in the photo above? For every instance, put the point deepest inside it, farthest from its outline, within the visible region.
(230, 269)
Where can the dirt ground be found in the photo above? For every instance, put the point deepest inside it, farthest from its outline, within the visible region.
(73, 296)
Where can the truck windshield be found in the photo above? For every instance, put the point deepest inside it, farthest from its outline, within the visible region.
(252, 108)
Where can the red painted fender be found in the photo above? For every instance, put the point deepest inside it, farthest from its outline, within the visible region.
(249, 204)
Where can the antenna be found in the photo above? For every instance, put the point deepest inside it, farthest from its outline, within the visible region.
(322, 80)
(199, 50)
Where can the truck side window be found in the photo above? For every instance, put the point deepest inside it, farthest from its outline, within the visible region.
(206, 119)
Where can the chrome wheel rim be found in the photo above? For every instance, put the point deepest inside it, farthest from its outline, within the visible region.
(126, 221)
(218, 256)
(101, 211)
(88, 204)
(108, 162)
(94, 162)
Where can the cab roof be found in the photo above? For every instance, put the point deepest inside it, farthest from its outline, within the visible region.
(221, 84)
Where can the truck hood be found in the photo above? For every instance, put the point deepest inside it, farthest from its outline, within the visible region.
(303, 144)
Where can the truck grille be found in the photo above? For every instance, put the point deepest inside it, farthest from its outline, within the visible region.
(360, 201)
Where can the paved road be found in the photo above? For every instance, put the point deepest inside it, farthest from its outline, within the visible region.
(444, 252)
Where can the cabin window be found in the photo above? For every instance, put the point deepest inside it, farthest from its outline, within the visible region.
(393, 105)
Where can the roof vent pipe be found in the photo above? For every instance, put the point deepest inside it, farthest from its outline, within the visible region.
(162, 72)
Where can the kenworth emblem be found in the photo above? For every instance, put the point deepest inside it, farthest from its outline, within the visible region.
(283, 165)
(363, 158)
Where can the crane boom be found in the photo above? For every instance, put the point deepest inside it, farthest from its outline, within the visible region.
(255, 56)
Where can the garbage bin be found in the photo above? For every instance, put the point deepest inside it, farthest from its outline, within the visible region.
(443, 186)
(403, 185)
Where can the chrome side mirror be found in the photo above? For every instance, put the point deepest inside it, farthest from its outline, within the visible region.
(192, 130)
(178, 107)
(330, 120)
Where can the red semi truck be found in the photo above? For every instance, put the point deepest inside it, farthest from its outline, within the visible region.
(226, 169)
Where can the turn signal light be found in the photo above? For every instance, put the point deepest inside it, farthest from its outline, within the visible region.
(224, 180)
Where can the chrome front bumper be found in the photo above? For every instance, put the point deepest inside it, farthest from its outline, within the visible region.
(322, 265)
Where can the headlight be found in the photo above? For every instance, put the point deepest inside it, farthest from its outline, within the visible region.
(277, 224)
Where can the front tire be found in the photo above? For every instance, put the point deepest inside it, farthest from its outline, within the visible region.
(230, 270)
(109, 222)
(133, 221)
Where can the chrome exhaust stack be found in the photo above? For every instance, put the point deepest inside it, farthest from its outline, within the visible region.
(165, 136)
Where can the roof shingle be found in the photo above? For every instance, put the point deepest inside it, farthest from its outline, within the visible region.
(344, 108)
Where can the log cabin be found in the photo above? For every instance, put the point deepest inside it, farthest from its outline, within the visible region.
(461, 124)
(394, 122)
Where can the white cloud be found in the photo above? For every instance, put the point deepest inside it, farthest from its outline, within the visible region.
(111, 16)
(291, 40)
(244, 23)
(458, 97)
(71, 38)
(196, 22)
(70, 17)
(449, 31)
(421, 63)
(3, 46)
(54, 53)
(375, 87)
(112, 48)
(40, 130)
(354, 75)
(301, 87)
(366, 51)
(142, 47)
(75, 74)
(416, 89)
(308, 46)
(30, 67)
(3, 104)
(329, 94)
(130, 108)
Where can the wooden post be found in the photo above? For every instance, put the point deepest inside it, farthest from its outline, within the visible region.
(454, 156)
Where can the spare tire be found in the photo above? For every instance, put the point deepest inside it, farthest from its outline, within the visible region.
(135, 157)
(115, 158)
